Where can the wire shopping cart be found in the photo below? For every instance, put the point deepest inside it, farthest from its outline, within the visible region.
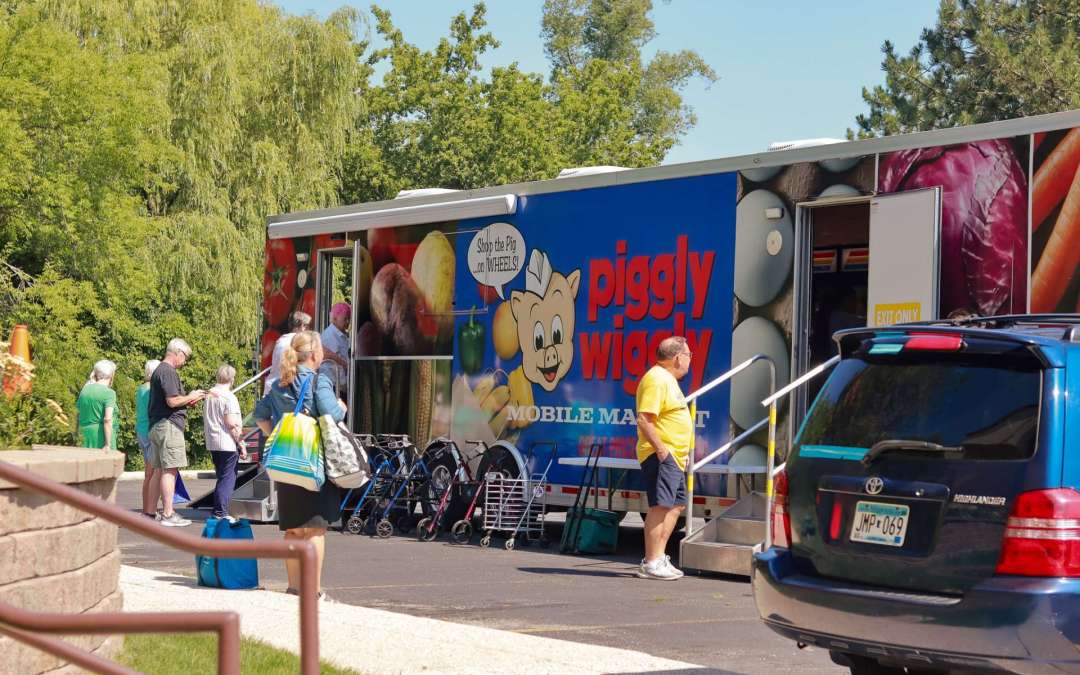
(515, 507)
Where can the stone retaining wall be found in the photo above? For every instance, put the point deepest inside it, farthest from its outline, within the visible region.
(54, 558)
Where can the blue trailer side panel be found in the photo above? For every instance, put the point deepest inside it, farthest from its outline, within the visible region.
(590, 282)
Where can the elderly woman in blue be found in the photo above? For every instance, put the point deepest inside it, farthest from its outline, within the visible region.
(303, 514)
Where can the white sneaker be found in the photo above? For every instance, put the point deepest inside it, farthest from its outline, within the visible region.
(678, 572)
(657, 569)
(174, 520)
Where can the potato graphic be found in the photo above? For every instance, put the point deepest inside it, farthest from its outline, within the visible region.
(433, 272)
(504, 333)
(399, 311)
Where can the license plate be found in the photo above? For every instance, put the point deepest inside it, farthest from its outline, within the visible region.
(877, 523)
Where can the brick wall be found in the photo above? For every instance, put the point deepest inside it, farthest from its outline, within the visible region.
(54, 558)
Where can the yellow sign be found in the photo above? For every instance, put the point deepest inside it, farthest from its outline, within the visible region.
(900, 312)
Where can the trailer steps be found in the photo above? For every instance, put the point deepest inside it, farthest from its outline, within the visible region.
(256, 500)
(726, 543)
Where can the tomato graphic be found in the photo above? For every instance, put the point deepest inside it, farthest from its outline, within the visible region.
(307, 303)
(279, 280)
(380, 243)
(403, 254)
(488, 294)
(322, 241)
(266, 347)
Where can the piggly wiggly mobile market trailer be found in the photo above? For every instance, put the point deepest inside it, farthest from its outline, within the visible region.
(528, 312)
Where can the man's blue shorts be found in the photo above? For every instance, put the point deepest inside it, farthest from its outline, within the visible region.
(665, 482)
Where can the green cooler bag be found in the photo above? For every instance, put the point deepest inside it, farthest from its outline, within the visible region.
(590, 531)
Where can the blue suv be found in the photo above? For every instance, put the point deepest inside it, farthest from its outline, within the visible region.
(928, 516)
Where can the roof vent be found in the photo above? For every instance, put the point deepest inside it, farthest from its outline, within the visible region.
(423, 192)
(805, 143)
(588, 171)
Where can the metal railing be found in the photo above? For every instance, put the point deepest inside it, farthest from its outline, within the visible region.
(693, 466)
(24, 625)
(769, 402)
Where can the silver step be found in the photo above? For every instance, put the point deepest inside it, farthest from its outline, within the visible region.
(256, 500)
(726, 543)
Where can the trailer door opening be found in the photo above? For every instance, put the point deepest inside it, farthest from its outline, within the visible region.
(840, 238)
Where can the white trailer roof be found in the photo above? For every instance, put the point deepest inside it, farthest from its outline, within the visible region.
(479, 203)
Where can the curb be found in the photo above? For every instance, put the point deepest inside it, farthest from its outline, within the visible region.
(190, 474)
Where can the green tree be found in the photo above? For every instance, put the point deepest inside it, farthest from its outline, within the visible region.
(142, 146)
(436, 119)
(615, 107)
(985, 60)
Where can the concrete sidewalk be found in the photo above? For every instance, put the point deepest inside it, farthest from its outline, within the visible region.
(376, 641)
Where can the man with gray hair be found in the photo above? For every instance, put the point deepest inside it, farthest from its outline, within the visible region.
(167, 415)
(665, 432)
(223, 424)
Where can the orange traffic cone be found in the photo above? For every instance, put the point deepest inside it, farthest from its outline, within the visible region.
(17, 372)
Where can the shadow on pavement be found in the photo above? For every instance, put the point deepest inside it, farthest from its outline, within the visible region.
(683, 671)
(576, 572)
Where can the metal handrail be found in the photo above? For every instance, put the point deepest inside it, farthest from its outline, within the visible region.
(692, 466)
(716, 382)
(732, 444)
(16, 622)
(806, 377)
(252, 379)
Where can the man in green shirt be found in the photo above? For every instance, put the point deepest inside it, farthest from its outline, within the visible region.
(96, 406)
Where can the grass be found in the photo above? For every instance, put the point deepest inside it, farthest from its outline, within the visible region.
(189, 653)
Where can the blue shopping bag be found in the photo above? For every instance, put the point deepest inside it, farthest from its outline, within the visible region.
(294, 453)
(227, 572)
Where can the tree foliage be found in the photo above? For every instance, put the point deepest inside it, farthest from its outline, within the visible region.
(143, 144)
(437, 120)
(985, 60)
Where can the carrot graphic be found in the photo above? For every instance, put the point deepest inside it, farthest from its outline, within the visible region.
(1061, 257)
(1053, 178)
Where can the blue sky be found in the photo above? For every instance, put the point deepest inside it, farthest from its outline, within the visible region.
(788, 70)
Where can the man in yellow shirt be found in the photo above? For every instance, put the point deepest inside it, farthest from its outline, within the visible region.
(665, 430)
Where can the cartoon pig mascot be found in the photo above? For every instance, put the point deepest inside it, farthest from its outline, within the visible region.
(544, 313)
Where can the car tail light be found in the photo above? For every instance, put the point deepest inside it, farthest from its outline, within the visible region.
(779, 518)
(934, 343)
(1042, 535)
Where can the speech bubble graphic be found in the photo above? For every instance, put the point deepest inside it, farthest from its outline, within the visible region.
(496, 255)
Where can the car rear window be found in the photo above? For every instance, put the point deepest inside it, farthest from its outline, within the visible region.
(989, 409)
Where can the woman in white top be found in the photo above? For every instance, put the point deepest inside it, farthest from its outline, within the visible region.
(222, 424)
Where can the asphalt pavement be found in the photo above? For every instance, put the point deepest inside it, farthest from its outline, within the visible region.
(706, 620)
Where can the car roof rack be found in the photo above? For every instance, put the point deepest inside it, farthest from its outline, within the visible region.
(1072, 332)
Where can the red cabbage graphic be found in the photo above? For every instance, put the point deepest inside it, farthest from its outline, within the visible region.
(983, 220)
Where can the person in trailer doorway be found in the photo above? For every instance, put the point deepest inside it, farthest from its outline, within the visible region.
(298, 323)
(222, 427)
(335, 342)
(168, 419)
(665, 430)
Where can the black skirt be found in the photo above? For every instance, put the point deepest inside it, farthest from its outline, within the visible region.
(298, 507)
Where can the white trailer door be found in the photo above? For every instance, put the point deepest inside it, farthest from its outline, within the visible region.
(905, 245)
